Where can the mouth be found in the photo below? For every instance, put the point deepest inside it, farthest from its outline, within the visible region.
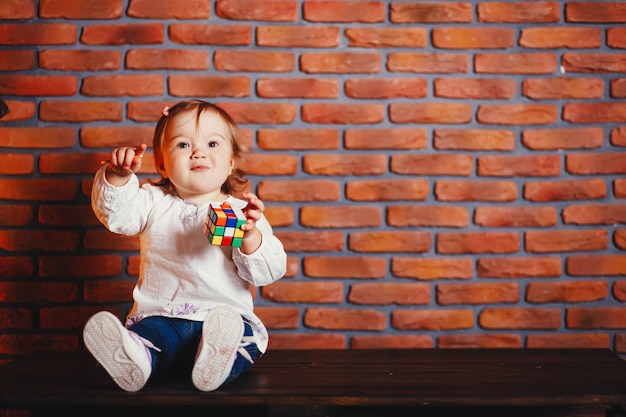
(199, 168)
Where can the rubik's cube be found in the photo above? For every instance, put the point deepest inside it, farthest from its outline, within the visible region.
(223, 225)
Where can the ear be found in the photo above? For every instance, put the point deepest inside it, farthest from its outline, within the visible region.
(232, 166)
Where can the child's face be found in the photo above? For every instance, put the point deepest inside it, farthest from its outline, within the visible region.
(197, 158)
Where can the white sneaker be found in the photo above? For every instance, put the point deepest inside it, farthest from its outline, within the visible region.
(121, 352)
(222, 338)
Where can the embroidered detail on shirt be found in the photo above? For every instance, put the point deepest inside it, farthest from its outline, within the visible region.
(185, 309)
(133, 319)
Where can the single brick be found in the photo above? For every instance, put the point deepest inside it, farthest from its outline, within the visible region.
(560, 37)
(253, 61)
(515, 63)
(563, 88)
(38, 33)
(472, 190)
(473, 38)
(58, 9)
(477, 242)
(387, 190)
(480, 341)
(269, 164)
(564, 190)
(345, 319)
(298, 139)
(387, 37)
(519, 267)
(519, 165)
(393, 138)
(322, 241)
(517, 114)
(430, 113)
(210, 34)
(297, 88)
(427, 216)
(279, 317)
(490, 216)
(209, 86)
(389, 294)
(298, 36)
(519, 12)
(123, 85)
(432, 268)
(520, 318)
(596, 12)
(428, 12)
(340, 216)
(568, 341)
(566, 292)
(299, 190)
(344, 12)
(386, 88)
(389, 241)
(594, 112)
(596, 318)
(478, 294)
(260, 10)
(595, 214)
(343, 113)
(182, 9)
(344, 267)
(391, 342)
(427, 63)
(593, 62)
(563, 138)
(596, 265)
(123, 34)
(344, 164)
(440, 319)
(474, 139)
(304, 292)
(474, 88)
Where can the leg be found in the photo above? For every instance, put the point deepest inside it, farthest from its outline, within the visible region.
(221, 344)
(171, 339)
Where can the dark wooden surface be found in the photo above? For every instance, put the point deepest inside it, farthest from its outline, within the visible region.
(416, 378)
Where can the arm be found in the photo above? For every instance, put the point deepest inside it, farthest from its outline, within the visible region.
(261, 259)
(114, 193)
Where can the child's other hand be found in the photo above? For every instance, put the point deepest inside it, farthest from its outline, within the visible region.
(126, 160)
(252, 238)
(252, 211)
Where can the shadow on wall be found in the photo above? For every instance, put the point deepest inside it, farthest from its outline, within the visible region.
(4, 109)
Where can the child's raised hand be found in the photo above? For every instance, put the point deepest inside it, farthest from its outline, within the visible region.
(126, 160)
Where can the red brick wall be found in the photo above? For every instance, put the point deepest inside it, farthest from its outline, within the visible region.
(442, 174)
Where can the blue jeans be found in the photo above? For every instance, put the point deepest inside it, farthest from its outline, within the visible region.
(178, 341)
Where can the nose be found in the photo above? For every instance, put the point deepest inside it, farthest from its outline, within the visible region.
(197, 154)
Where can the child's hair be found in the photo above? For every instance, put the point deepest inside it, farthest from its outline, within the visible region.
(235, 180)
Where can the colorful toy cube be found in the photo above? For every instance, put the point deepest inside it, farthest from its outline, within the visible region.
(223, 225)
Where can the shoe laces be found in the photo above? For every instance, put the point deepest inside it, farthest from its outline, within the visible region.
(144, 341)
(241, 349)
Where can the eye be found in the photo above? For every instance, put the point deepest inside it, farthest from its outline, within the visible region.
(213, 144)
(182, 145)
